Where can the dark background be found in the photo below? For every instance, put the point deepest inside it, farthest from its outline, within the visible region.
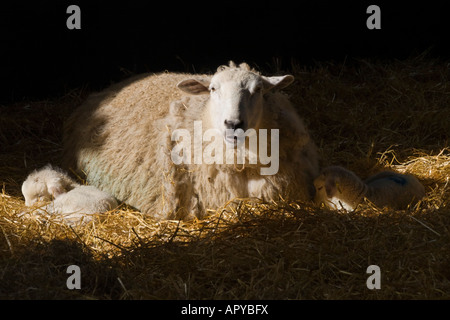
(42, 58)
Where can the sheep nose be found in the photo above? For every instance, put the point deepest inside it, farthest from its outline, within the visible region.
(234, 124)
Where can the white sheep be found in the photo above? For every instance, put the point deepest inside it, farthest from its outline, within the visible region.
(339, 188)
(124, 139)
(68, 198)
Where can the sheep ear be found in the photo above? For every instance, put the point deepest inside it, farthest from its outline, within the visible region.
(279, 82)
(55, 187)
(193, 86)
(330, 187)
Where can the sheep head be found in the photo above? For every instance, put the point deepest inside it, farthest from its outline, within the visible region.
(236, 97)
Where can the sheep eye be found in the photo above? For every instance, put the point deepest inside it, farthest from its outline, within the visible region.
(212, 89)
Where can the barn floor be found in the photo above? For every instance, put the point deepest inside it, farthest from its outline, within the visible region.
(363, 115)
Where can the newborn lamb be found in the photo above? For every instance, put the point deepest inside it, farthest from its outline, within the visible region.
(339, 188)
(70, 199)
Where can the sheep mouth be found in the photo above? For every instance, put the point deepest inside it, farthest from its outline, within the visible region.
(231, 139)
(234, 140)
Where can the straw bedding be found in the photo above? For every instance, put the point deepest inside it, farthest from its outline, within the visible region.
(363, 115)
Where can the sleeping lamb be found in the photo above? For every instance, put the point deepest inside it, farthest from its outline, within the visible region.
(339, 188)
(68, 198)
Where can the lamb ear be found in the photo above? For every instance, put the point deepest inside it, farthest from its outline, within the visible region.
(330, 187)
(55, 187)
(278, 82)
(193, 86)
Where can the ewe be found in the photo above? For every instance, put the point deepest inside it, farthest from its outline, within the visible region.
(339, 188)
(134, 141)
(71, 200)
